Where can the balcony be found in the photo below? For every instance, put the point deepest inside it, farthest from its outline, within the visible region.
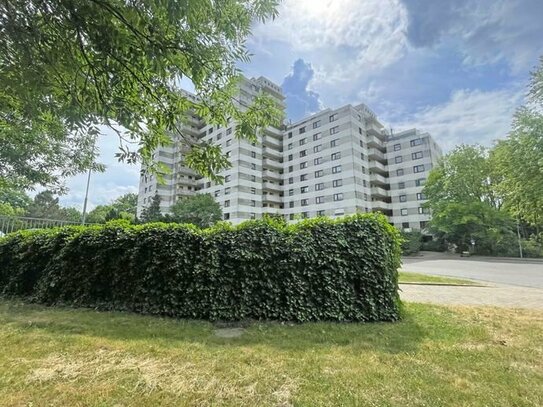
(269, 163)
(272, 142)
(275, 176)
(381, 206)
(376, 166)
(275, 199)
(378, 179)
(373, 129)
(272, 153)
(375, 154)
(377, 192)
(374, 142)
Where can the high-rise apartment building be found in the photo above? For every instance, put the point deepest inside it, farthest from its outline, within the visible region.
(332, 163)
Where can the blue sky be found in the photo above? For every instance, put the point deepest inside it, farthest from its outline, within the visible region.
(457, 69)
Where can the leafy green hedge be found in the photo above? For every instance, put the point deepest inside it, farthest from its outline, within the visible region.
(318, 269)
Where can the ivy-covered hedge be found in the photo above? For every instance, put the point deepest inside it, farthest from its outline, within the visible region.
(318, 269)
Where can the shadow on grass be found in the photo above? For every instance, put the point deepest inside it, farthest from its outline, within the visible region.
(419, 323)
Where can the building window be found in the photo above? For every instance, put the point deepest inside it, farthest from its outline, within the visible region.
(405, 225)
(227, 203)
(401, 185)
(289, 134)
(302, 141)
(399, 172)
(317, 161)
(420, 182)
(302, 130)
(217, 194)
(304, 202)
(398, 159)
(334, 130)
(319, 173)
(338, 197)
(362, 156)
(291, 216)
(319, 199)
(253, 203)
(333, 117)
(335, 156)
(290, 192)
(228, 154)
(318, 148)
(334, 142)
(363, 170)
(421, 196)
(336, 169)
(361, 144)
(290, 146)
(253, 191)
(253, 154)
(253, 178)
(403, 198)
(228, 142)
(403, 212)
(290, 157)
(423, 224)
(305, 215)
(416, 142)
(303, 153)
(423, 210)
(227, 178)
(337, 183)
(291, 180)
(319, 186)
(226, 216)
(304, 190)
(417, 155)
(397, 147)
(303, 165)
(418, 168)
(320, 213)
(219, 136)
(291, 204)
(227, 191)
(228, 131)
(316, 124)
(290, 168)
(317, 136)
(303, 177)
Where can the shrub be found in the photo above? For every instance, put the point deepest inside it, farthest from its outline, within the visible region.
(411, 243)
(318, 269)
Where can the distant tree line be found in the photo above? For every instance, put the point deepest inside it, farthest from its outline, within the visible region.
(483, 199)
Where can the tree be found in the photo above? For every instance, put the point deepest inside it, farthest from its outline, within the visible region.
(152, 212)
(71, 66)
(200, 210)
(462, 196)
(16, 198)
(519, 159)
(124, 207)
(46, 206)
(463, 175)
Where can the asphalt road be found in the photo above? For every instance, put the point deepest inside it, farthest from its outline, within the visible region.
(510, 272)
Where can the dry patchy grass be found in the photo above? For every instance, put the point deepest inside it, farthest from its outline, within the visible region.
(436, 356)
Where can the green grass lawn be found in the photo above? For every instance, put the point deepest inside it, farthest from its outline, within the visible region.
(408, 277)
(437, 356)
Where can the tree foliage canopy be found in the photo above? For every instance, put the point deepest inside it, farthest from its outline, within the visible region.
(69, 66)
(200, 210)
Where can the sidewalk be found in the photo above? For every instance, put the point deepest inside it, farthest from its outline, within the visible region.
(493, 295)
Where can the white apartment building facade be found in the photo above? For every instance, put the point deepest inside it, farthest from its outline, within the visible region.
(335, 162)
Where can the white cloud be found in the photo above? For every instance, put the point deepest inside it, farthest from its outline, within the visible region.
(483, 31)
(469, 116)
(118, 179)
(343, 39)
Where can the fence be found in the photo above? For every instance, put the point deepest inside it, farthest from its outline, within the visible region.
(10, 224)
